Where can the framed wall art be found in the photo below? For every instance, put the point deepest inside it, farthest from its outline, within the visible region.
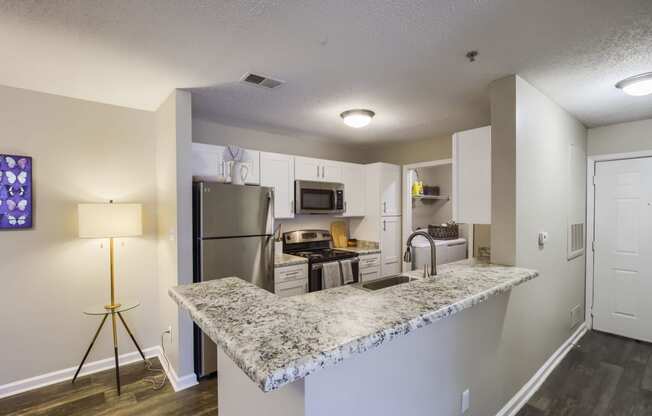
(16, 211)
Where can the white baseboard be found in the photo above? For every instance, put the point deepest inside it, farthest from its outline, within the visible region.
(20, 386)
(525, 393)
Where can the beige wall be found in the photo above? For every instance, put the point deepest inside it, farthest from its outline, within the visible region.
(83, 152)
(174, 189)
(403, 153)
(537, 320)
(621, 138)
(210, 132)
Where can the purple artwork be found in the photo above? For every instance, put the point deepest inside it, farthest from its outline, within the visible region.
(15, 192)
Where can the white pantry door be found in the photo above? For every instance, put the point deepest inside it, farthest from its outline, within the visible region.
(622, 291)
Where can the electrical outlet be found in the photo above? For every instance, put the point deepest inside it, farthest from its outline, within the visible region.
(575, 316)
(466, 398)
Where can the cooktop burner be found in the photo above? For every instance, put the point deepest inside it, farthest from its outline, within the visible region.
(322, 255)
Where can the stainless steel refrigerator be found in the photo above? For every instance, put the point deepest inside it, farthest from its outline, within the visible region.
(233, 230)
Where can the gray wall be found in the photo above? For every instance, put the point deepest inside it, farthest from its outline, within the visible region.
(83, 152)
(403, 153)
(540, 133)
(621, 138)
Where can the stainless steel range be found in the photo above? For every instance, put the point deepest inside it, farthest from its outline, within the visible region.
(315, 245)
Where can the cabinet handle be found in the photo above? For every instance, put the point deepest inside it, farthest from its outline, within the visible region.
(323, 171)
(292, 273)
(384, 225)
(345, 208)
(292, 206)
(318, 171)
(384, 207)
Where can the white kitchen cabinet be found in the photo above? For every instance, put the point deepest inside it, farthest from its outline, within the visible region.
(291, 280)
(353, 178)
(369, 267)
(331, 171)
(390, 246)
(390, 188)
(307, 169)
(319, 170)
(472, 176)
(208, 162)
(277, 171)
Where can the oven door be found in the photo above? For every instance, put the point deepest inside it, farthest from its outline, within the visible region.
(314, 281)
(318, 197)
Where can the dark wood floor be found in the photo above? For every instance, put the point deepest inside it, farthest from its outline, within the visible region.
(604, 375)
(96, 395)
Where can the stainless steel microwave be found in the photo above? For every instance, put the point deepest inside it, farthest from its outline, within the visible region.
(318, 197)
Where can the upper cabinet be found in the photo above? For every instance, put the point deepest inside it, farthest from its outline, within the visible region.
(309, 169)
(472, 176)
(277, 171)
(353, 178)
(390, 188)
(208, 161)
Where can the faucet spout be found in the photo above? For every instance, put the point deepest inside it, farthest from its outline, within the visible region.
(407, 257)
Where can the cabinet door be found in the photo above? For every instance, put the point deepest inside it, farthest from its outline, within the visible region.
(472, 176)
(331, 171)
(367, 275)
(390, 189)
(293, 288)
(277, 170)
(208, 161)
(390, 246)
(307, 169)
(353, 178)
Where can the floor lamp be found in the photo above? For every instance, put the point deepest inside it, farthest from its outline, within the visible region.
(110, 221)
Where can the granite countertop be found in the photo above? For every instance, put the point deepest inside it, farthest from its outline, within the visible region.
(284, 260)
(276, 341)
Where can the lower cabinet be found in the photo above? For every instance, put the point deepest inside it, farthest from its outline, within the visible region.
(369, 267)
(390, 246)
(291, 280)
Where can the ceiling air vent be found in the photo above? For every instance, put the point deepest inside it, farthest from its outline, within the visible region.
(261, 80)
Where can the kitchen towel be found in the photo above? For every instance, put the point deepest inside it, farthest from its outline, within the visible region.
(330, 275)
(347, 272)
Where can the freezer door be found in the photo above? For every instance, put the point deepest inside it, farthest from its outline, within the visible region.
(232, 210)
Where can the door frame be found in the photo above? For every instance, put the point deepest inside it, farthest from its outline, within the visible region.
(590, 220)
(406, 197)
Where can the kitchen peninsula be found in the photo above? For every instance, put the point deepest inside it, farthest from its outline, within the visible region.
(329, 352)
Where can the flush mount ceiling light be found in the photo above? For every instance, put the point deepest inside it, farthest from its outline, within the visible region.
(357, 118)
(637, 85)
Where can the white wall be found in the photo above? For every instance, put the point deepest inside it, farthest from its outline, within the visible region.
(82, 152)
(174, 189)
(537, 146)
(621, 138)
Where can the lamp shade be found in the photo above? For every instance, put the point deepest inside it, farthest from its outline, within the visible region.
(110, 220)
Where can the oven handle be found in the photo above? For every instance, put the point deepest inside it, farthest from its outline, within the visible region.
(320, 265)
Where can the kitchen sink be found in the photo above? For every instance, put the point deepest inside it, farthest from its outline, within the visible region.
(387, 282)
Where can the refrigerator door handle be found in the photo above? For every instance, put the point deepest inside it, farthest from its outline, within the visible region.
(269, 229)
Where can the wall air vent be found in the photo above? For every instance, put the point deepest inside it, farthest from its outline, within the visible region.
(261, 81)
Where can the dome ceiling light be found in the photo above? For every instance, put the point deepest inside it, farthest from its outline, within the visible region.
(357, 118)
(637, 85)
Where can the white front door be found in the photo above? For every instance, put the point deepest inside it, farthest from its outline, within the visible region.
(622, 298)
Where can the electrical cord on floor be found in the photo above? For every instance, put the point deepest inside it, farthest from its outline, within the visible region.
(158, 381)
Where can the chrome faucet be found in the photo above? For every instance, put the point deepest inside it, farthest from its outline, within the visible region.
(407, 257)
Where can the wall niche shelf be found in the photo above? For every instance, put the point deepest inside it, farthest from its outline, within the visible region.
(432, 197)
